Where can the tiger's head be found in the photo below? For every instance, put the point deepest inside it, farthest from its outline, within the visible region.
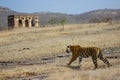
(72, 48)
(68, 50)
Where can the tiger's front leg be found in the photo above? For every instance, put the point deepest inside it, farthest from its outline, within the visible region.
(72, 59)
(80, 59)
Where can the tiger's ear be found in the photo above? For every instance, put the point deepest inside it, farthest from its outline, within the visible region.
(69, 45)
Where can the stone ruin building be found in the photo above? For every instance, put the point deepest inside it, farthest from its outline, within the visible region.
(15, 21)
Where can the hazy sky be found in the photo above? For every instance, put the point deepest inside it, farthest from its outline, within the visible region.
(63, 6)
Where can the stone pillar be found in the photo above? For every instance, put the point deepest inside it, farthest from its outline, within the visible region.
(16, 22)
(30, 22)
(36, 22)
(23, 22)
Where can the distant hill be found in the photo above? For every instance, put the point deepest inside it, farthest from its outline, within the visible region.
(4, 12)
(86, 17)
(101, 14)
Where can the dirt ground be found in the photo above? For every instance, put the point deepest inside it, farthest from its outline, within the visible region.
(39, 54)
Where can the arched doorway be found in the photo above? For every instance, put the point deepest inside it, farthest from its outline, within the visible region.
(33, 23)
(20, 23)
(26, 23)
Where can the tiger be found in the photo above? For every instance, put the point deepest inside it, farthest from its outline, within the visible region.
(85, 52)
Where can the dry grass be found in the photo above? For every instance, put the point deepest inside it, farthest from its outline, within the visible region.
(33, 43)
(50, 41)
(100, 74)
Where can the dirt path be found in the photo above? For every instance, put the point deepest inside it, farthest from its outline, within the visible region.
(58, 63)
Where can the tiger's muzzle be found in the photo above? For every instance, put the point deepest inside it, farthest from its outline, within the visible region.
(68, 50)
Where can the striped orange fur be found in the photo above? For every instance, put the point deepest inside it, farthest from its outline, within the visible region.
(84, 52)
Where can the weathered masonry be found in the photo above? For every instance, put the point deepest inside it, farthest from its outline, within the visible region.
(15, 21)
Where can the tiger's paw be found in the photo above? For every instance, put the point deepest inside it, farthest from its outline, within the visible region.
(68, 64)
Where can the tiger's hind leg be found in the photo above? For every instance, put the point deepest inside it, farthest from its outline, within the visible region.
(95, 62)
(105, 60)
(80, 60)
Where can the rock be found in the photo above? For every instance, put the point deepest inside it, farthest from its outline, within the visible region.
(45, 58)
(26, 49)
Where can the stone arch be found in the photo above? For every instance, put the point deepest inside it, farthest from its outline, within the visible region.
(20, 23)
(26, 23)
(33, 22)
